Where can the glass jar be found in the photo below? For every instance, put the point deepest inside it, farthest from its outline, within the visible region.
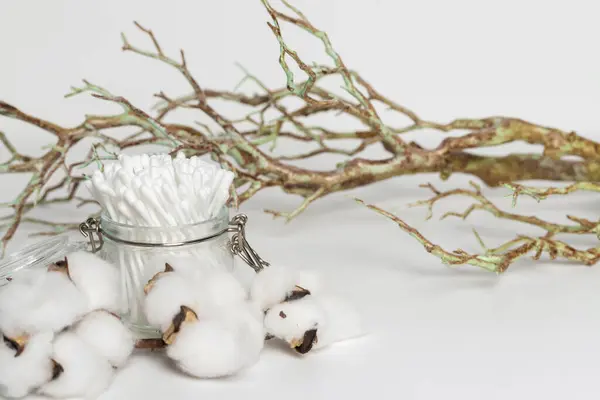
(140, 252)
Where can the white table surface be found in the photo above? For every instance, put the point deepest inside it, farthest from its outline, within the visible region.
(433, 332)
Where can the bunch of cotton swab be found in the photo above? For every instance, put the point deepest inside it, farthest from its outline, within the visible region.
(210, 328)
(60, 336)
(297, 311)
(160, 191)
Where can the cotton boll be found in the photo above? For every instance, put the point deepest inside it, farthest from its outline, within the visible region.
(291, 320)
(16, 299)
(186, 266)
(85, 373)
(229, 340)
(271, 285)
(219, 289)
(59, 304)
(246, 321)
(107, 334)
(33, 367)
(309, 280)
(157, 263)
(251, 331)
(207, 349)
(343, 321)
(25, 277)
(253, 310)
(163, 302)
(96, 278)
(45, 301)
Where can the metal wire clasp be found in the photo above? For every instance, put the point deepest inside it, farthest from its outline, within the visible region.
(238, 245)
(241, 247)
(90, 227)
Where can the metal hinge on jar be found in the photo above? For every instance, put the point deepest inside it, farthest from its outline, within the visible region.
(89, 229)
(239, 245)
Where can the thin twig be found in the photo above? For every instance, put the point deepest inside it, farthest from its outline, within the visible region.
(500, 258)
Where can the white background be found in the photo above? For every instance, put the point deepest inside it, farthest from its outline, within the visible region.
(434, 332)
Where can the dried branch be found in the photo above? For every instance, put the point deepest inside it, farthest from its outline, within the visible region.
(245, 144)
(500, 258)
(582, 226)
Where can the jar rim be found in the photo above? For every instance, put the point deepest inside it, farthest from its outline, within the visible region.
(176, 235)
(223, 214)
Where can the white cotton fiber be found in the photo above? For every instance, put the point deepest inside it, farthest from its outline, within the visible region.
(164, 301)
(107, 334)
(26, 277)
(189, 267)
(309, 280)
(44, 301)
(219, 289)
(207, 349)
(271, 285)
(343, 321)
(221, 345)
(16, 299)
(85, 372)
(290, 320)
(97, 279)
(246, 321)
(251, 332)
(33, 367)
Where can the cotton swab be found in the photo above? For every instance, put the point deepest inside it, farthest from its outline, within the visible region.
(221, 194)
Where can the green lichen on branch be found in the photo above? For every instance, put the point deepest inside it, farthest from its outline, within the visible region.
(500, 258)
(542, 193)
(246, 145)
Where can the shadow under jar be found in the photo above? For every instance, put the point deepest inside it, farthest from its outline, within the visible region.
(140, 252)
